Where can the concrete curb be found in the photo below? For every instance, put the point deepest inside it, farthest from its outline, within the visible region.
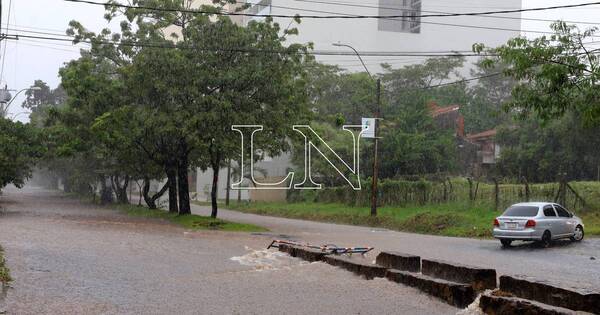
(399, 261)
(457, 284)
(457, 294)
(367, 270)
(307, 254)
(528, 288)
(496, 305)
(480, 278)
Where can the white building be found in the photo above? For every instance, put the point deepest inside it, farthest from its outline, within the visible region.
(409, 34)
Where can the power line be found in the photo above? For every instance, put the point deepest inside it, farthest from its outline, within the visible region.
(5, 43)
(209, 12)
(463, 80)
(423, 22)
(247, 50)
(347, 4)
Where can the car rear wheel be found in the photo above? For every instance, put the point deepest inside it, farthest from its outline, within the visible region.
(506, 243)
(578, 235)
(546, 239)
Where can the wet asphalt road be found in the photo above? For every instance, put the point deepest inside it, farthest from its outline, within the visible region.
(70, 257)
(565, 264)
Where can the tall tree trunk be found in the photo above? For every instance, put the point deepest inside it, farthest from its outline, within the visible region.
(239, 195)
(123, 196)
(120, 190)
(228, 188)
(151, 200)
(172, 181)
(183, 185)
(213, 192)
(139, 186)
(105, 192)
(145, 193)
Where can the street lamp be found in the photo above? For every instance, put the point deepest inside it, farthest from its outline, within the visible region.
(376, 144)
(4, 109)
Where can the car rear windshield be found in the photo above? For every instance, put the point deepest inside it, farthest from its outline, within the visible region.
(521, 211)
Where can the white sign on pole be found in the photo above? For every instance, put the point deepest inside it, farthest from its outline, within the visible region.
(368, 126)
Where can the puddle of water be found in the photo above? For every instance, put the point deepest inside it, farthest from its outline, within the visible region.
(473, 308)
(265, 259)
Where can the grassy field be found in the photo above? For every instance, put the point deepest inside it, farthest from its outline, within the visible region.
(192, 222)
(4, 272)
(450, 219)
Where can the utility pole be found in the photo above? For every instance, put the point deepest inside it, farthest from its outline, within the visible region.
(376, 152)
(376, 133)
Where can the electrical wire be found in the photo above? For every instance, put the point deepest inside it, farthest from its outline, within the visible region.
(347, 4)
(5, 42)
(425, 22)
(247, 50)
(463, 80)
(209, 12)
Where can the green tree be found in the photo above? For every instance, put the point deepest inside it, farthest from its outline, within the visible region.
(20, 148)
(555, 74)
(544, 153)
(412, 142)
(484, 109)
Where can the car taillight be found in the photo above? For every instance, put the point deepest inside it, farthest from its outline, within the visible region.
(496, 223)
(530, 223)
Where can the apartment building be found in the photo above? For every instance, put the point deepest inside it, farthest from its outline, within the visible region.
(411, 33)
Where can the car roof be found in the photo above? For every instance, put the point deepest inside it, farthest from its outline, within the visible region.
(533, 204)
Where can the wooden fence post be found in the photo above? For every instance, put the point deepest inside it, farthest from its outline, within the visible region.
(470, 188)
(496, 194)
(527, 191)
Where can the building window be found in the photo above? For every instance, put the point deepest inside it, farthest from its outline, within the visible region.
(259, 6)
(410, 10)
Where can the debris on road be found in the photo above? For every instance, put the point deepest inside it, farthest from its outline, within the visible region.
(327, 248)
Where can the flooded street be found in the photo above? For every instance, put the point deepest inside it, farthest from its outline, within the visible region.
(69, 257)
(565, 263)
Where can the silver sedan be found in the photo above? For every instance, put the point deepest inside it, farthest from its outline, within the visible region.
(537, 221)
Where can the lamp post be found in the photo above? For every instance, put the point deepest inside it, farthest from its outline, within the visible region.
(4, 108)
(376, 144)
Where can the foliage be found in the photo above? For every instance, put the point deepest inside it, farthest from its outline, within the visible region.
(484, 108)
(164, 98)
(333, 93)
(556, 74)
(20, 148)
(412, 143)
(4, 271)
(546, 153)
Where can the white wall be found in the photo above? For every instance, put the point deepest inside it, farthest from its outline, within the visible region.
(363, 34)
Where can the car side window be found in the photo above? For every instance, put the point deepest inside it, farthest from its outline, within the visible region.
(549, 211)
(562, 212)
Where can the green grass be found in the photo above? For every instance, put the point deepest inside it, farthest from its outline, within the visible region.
(591, 220)
(4, 272)
(450, 219)
(192, 221)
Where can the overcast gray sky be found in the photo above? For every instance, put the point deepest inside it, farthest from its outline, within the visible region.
(28, 60)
